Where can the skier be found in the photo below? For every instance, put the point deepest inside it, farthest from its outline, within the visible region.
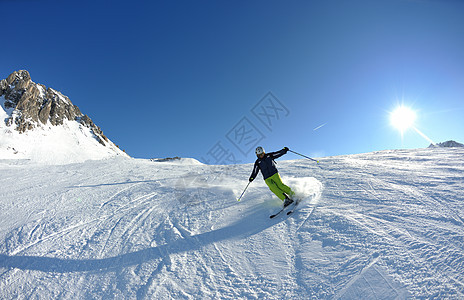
(265, 162)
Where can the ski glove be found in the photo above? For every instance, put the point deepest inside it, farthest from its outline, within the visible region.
(286, 149)
(251, 179)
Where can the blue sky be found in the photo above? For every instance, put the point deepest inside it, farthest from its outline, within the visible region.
(211, 79)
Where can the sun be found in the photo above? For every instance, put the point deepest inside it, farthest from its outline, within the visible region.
(402, 118)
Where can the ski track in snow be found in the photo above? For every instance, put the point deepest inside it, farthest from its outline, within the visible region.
(384, 225)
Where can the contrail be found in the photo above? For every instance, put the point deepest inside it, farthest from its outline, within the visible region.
(318, 127)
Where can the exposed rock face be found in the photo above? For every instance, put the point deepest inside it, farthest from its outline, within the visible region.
(85, 120)
(447, 144)
(34, 104)
(165, 159)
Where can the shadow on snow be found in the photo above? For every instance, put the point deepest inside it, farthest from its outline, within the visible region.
(254, 223)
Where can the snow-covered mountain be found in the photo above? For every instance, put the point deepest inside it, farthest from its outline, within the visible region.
(447, 144)
(41, 124)
(383, 225)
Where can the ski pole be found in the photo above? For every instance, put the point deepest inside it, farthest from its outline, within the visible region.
(304, 156)
(240, 198)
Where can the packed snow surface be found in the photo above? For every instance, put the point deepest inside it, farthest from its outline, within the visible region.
(384, 225)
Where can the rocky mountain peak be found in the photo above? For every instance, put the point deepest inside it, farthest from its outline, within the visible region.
(447, 144)
(32, 104)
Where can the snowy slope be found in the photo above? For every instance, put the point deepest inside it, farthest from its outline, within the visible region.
(385, 225)
(71, 142)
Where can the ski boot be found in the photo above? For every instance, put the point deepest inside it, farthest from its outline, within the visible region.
(287, 201)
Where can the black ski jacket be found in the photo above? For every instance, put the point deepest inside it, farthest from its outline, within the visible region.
(267, 164)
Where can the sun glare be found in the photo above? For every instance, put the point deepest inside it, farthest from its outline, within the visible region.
(402, 118)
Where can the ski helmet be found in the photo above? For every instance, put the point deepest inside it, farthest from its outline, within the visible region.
(259, 150)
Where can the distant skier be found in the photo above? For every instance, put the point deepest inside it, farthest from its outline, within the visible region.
(265, 162)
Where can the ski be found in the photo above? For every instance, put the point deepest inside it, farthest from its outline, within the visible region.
(276, 214)
(292, 205)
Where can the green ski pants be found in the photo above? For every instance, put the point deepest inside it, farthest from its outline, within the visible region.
(277, 187)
